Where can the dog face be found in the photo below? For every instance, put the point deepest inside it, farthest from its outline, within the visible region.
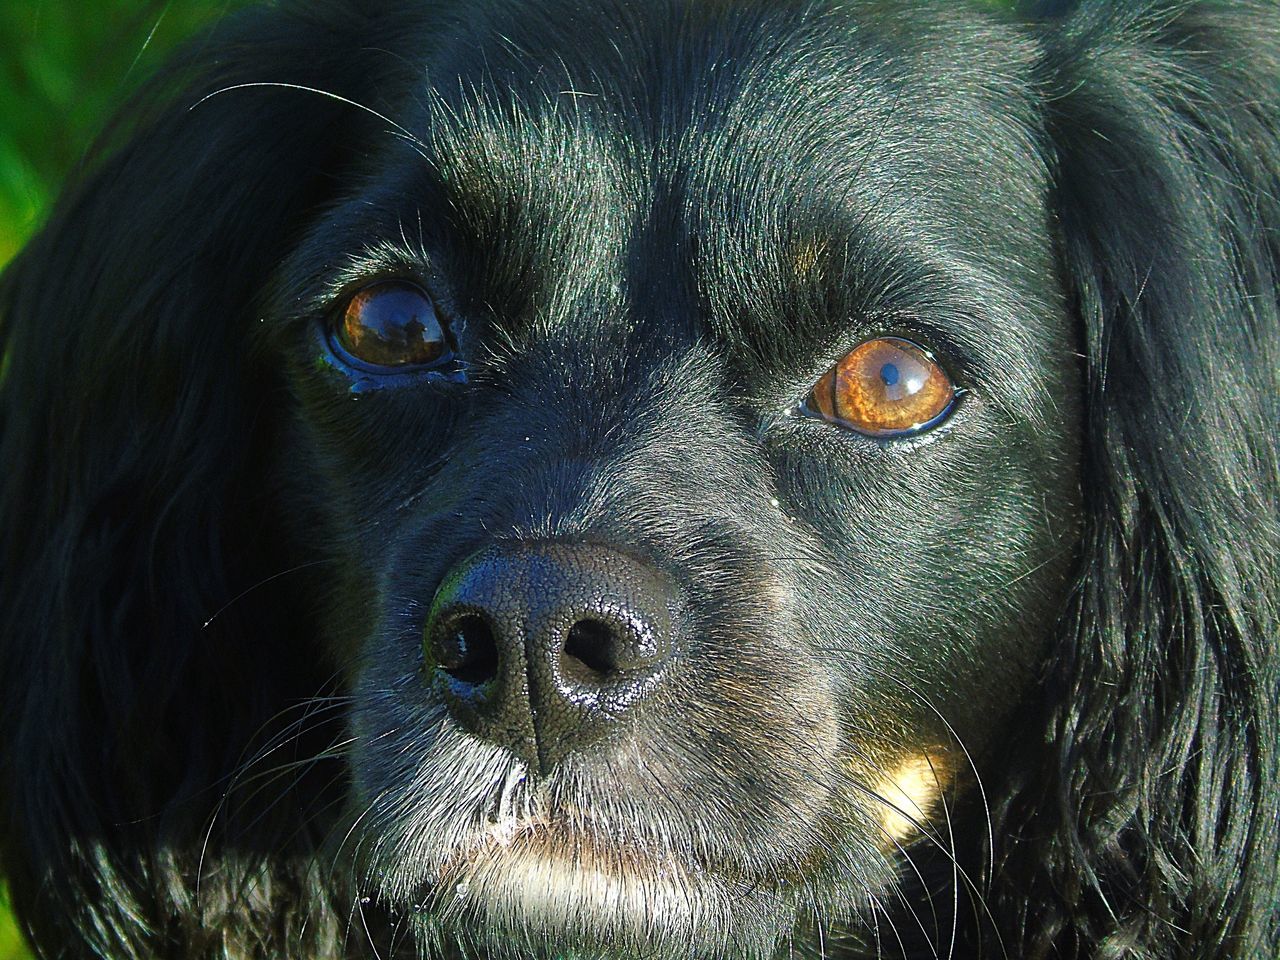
(657, 632)
(560, 479)
(652, 640)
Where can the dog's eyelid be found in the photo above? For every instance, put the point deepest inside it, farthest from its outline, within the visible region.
(351, 262)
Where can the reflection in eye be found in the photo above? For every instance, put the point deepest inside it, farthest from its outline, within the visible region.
(885, 387)
(392, 324)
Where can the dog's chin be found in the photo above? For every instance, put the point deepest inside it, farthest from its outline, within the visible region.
(547, 893)
(619, 853)
(540, 890)
(550, 887)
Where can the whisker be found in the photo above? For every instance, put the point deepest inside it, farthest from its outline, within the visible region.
(364, 922)
(351, 829)
(262, 583)
(980, 893)
(318, 91)
(986, 806)
(876, 903)
(314, 710)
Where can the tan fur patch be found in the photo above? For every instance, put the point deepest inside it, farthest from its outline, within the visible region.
(911, 793)
(809, 258)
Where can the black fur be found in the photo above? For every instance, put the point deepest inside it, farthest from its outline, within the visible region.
(655, 226)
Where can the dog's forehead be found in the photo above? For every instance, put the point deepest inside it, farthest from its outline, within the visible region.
(839, 102)
(722, 151)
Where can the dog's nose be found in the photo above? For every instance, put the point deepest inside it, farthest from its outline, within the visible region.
(544, 648)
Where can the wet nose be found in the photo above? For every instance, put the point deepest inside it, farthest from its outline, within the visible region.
(545, 648)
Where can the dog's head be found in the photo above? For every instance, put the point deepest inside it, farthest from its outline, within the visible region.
(680, 481)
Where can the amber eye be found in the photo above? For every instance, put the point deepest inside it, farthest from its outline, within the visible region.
(392, 324)
(884, 388)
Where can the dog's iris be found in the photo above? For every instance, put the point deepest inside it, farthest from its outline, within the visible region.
(392, 324)
(885, 387)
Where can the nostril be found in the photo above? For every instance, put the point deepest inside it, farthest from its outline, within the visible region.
(466, 649)
(544, 648)
(591, 650)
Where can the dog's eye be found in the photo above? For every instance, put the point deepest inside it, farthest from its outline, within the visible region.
(885, 387)
(392, 324)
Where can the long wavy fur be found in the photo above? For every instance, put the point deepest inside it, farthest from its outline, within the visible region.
(1156, 835)
(150, 643)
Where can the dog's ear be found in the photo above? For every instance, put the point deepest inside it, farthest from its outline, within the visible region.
(1158, 829)
(131, 510)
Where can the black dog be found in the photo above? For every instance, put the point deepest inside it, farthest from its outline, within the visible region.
(678, 479)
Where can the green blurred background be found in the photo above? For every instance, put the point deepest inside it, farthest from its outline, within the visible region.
(64, 65)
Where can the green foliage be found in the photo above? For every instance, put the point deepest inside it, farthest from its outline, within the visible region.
(63, 65)
(11, 945)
